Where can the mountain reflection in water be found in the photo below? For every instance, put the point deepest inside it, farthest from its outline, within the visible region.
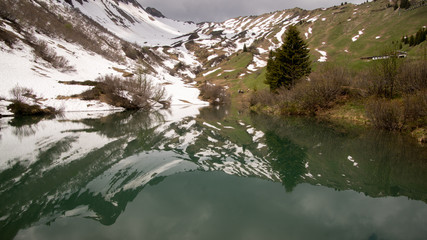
(69, 172)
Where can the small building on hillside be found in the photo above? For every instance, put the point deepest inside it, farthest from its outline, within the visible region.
(398, 54)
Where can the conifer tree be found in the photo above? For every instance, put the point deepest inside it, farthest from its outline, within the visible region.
(412, 40)
(273, 72)
(289, 63)
(405, 4)
(245, 49)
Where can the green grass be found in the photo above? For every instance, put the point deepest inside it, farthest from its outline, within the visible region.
(239, 61)
(337, 32)
(255, 81)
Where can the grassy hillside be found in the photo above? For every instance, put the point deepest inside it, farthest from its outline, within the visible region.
(346, 33)
(381, 27)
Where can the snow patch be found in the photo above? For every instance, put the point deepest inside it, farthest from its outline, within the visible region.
(211, 126)
(323, 58)
(357, 36)
(313, 19)
(212, 57)
(210, 72)
(212, 140)
(350, 158)
(3, 108)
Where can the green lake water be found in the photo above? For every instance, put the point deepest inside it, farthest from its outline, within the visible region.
(212, 175)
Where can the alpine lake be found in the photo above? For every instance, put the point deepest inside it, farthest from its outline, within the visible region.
(210, 175)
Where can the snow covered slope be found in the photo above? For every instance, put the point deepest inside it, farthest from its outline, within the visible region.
(220, 42)
(87, 50)
(131, 22)
(21, 68)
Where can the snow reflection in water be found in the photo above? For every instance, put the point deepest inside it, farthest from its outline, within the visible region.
(150, 169)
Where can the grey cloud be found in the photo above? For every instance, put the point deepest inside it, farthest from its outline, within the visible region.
(220, 10)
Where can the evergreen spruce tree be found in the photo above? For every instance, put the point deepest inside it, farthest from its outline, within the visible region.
(273, 72)
(405, 4)
(418, 37)
(289, 63)
(245, 49)
(412, 40)
(406, 39)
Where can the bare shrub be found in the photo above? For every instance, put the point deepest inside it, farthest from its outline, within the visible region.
(323, 90)
(415, 109)
(412, 76)
(262, 97)
(253, 49)
(131, 93)
(369, 81)
(19, 93)
(131, 51)
(20, 108)
(361, 85)
(202, 53)
(8, 38)
(180, 66)
(42, 50)
(214, 94)
(385, 114)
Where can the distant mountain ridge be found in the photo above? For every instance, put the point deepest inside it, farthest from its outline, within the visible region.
(132, 22)
(154, 12)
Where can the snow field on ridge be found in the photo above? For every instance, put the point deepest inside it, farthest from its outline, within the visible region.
(145, 29)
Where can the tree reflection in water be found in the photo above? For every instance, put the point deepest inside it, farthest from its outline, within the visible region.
(135, 147)
(287, 158)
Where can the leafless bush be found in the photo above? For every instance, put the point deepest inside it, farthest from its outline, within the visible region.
(19, 93)
(180, 66)
(202, 53)
(415, 109)
(263, 97)
(131, 51)
(385, 114)
(8, 38)
(412, 76)
(42, 50)
(253, 49)
(131, 93)
(405, 78)
(214, 94)
(322, 91)
(20, 108)
(361, 85)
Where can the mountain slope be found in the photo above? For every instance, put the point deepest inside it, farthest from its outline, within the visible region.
(341, 34)
(101, 37)
(130, 21)
(74, 47)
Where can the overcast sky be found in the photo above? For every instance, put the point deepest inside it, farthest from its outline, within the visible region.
(220, 10)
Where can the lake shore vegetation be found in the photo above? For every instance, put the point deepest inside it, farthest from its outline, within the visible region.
(390, 95)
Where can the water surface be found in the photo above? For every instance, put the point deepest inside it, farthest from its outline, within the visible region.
(140, 175)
